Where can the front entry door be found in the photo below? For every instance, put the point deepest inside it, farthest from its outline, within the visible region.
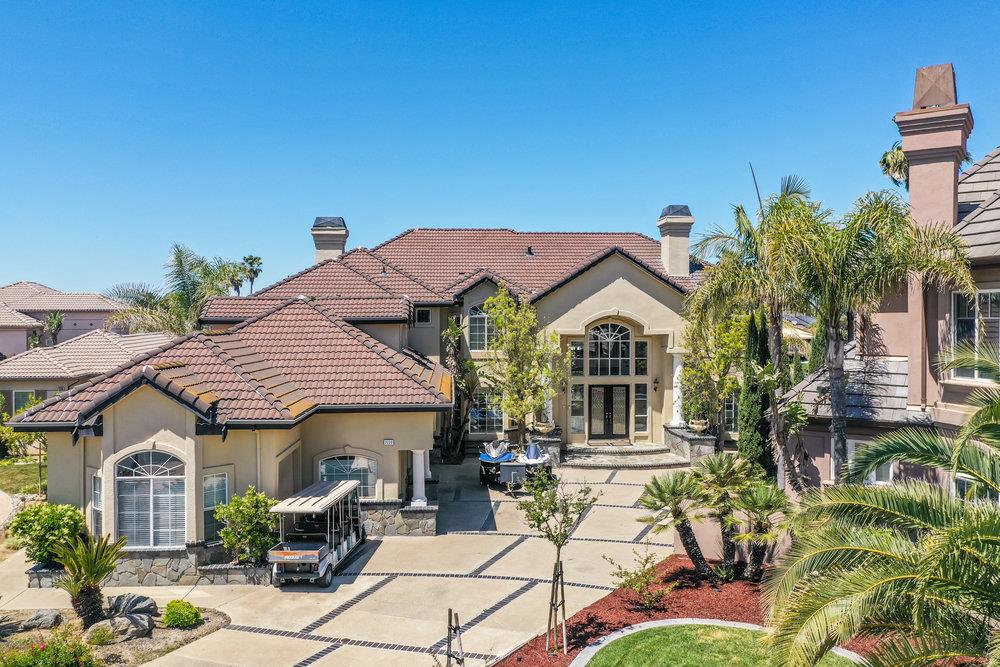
(609, 411)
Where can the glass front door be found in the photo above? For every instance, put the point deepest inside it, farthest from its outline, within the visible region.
(609, 411)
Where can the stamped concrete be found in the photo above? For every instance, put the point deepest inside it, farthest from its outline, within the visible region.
(389, 606)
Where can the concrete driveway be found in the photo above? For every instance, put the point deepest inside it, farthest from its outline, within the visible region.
(390, 606)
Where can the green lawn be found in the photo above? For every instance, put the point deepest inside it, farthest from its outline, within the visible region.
(692, 646)
(21, 478)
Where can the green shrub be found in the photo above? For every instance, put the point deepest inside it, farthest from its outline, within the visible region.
(181, 614)
(39, 528)
(62, 649)
(101, 636)
(642, 579)
(249, 526)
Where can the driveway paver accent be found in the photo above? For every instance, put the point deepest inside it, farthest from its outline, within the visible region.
(500, 554)
(340, 609)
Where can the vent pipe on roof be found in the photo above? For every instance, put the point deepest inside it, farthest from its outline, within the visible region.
(675, 239)
(330, 237)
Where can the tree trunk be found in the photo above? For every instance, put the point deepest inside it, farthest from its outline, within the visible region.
(690, 542)
(728, 543)
(88, 605)
(774, 327)
(838, 396)
(755, 568)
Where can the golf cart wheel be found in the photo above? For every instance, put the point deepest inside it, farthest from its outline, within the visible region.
(277, 582)
(327, 578)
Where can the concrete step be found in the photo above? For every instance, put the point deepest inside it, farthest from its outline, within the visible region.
(618, 461)
(617, 450)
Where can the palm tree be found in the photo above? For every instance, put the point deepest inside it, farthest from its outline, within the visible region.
(895, 166)
(912, 563)
(850, 267)
(252, 266)
(722, 478)
(88, 562)
(190, 280)
(759, 505)
(675, 498)
(756, 268)
(53, 325)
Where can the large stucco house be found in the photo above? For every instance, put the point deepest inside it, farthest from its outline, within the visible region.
(24, 306)
(335, 372)
(893, 374)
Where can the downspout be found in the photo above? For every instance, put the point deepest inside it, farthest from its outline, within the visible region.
(83, 476)
(924, 362)
(257, 437)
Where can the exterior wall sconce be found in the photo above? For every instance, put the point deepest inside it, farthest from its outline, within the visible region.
(656, 383)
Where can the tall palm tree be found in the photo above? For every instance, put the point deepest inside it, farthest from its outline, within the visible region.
(675, 498)
(756, 268)
(252, 266)
(912, 563)
(763, 507)
(895, 166)
(722, 479)
(88, 561)
(848, 268)
(52, 326)
(189, 281)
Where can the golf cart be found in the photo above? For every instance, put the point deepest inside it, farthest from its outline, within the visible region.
(318, 527)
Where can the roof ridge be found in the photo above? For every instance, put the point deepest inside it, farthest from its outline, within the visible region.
(375, 346)
(244, 374)
(394, 238)
(986, 159)
(401, 270)
(596, 258)
(979, 210)
(294, 275)
(283, 303)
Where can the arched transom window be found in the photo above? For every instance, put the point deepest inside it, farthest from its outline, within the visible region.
(481, 329)
(610, 349)
(150, 499)
(361, 468)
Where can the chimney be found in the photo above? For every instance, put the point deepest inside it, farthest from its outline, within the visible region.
(330, 237)
(675, 239)
(934, 132)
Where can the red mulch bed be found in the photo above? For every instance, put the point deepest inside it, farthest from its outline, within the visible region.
(736, 601)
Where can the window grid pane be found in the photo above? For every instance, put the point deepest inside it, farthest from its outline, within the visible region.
(576, 416)
(610, 350)
(215, 492)
(641, 408)
(576, 357)
(340, 468)
(151, 498)
(485, 415)
(481, 329)
(641, 357)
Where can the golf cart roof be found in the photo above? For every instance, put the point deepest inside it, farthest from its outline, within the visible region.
(315, 498)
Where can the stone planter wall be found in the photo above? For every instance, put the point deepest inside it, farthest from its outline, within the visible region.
(391, 517)
(230, 573)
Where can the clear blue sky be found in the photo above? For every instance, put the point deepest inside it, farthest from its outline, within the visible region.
(230, 126)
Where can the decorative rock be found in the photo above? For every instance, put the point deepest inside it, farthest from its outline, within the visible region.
(43, 620)
(130, 603)
(123, 628)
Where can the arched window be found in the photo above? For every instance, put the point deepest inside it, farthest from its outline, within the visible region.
(150, 497)
(481, 329)
(610, 349)
(361, 468)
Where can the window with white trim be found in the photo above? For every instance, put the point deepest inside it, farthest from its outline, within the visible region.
(731, 412)
(966, 488)
(881, 476)
(985, 310)
(361, 468)
(149, 490)
(576, 357)
(482, 331)
(96, 506)
(576, 402)
(486, 416)
(215, 493)
(641, 408)
(610, 349)
(422, 317)
(23, 399)
(641, 357)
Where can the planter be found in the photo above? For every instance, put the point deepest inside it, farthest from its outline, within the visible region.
(699, 425)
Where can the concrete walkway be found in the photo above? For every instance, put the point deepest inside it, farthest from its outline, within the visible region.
(5, 506)
(389, 608)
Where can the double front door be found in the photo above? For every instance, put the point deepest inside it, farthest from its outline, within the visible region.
(609, 411)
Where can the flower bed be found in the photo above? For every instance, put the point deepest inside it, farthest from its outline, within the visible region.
(736, 601)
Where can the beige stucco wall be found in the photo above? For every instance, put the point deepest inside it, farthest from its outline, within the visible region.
(75, 323)
(426, 339)
(13, 341)
(388, 333)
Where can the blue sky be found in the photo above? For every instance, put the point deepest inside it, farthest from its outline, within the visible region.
(230, 126)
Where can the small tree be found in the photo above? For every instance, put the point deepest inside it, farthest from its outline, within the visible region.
(760, 505)
(707, 375)
(675, 498)
(41, 528)
(642, 579)
(553, 511)
(465, 380)
(252, 266)
(52, 326)
(525, 365)
(88, 562)
(721, 479)
(754, 428)
(249, 525)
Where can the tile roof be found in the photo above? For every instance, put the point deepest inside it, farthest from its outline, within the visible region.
(64, 302)
(981, 180)
(980, 229)
(11, 319)
(237, 309)
(876, 390)
(279, 366)
(84, 356)
(22, 289)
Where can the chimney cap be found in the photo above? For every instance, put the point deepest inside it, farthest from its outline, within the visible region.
(935, 87)
(675, 210)
(329, 223)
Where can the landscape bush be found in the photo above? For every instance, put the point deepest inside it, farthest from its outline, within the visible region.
(249, 526)
(181, 614)
(101, 636)
(62, 649)
(39, 528)
(641, 580)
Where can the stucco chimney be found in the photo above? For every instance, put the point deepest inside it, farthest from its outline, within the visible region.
(330, 237)
(675, 239)
(934, 133)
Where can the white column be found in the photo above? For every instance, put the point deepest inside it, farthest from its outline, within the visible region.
(417, 470)
(427, 465)
(677, 418)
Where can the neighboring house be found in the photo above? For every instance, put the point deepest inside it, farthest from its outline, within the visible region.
(334, 373)
(24, 306)
(893, 379)
(46, 371)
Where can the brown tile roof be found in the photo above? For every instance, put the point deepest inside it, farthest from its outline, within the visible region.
(384, 274)
(65, 302)
(12, 319)
(329, 278)
(278, 366)
(980, 181)
(24, 288)
(237, 309)
(84, 356)
(981, 229)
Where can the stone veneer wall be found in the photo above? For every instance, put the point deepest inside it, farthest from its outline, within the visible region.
(392, 517)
